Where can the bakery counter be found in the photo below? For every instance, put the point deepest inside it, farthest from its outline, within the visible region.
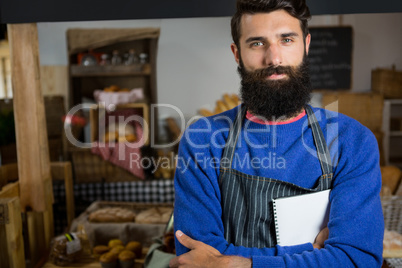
(90, 263)
(93, 259)
(111, 231)
(84, 263)
(127, 221)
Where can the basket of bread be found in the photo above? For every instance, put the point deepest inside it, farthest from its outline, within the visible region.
(127, 221)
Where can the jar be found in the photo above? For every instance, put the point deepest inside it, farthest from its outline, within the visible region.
(104, 60)
(132, 58)
(89, 60)
(143, 58)
(116, 59)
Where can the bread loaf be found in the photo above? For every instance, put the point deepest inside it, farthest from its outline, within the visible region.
(154, 215)
(112, 215)
(392, 244)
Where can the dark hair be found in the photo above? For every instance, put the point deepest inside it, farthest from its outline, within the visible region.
(295, 8)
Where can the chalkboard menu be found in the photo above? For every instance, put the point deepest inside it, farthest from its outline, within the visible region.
(330, 57)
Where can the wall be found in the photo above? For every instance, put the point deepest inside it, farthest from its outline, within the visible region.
(196, 66)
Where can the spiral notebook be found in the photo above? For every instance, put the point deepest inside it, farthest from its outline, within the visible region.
(298, 219)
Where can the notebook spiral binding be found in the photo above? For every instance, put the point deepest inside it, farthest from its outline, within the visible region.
(276, 222)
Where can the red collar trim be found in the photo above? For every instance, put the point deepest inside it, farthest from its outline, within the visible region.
(255, 119)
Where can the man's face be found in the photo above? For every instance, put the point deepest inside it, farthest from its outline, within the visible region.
(273, 65)
(270, 39)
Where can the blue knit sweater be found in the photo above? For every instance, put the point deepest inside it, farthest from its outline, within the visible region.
(285, 152)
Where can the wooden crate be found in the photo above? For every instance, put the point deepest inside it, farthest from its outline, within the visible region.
(11, 238)
(367, 108)
(387, 82)
(37, 226)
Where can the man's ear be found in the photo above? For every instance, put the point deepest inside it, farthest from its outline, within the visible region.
(236, 52)
(308, 40)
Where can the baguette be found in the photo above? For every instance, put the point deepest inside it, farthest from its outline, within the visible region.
(221, 106)
(205, 112)
(230, 103)
(235, 98)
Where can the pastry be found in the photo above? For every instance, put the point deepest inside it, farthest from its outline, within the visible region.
(112, 88)
(118, 132)
(100, 250)
(115, 242)
(108, 260)
(126, 259)
(135, 247)
(116, 249)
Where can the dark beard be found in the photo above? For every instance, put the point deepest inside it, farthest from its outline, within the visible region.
(275, 99)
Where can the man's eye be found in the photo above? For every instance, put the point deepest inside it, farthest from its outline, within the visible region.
(287, 40)
(257, 44)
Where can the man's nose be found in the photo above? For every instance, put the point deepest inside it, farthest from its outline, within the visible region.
(273, 56)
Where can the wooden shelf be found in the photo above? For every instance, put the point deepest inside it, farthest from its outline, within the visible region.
(395, 133)
(119, 70)
(392, 142)
(395, 101)
(84, 80)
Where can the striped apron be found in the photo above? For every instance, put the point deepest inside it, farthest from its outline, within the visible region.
(247, 200)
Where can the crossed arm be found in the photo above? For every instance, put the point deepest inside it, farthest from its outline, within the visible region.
(203, 255)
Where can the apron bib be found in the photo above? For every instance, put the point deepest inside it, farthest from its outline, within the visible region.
(247, 200)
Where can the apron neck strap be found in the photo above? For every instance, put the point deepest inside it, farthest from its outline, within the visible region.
(320, 143)
(234, 132)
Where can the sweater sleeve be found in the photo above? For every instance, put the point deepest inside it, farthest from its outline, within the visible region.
(198, 211)
(356, 223)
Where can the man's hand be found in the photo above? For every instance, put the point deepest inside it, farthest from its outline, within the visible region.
(203, 255)
(321, 237)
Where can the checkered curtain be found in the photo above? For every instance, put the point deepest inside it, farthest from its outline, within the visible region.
(151, 191)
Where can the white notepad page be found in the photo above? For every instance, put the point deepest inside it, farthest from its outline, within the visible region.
(298, 219)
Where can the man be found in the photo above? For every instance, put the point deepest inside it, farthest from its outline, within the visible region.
(232, 165)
